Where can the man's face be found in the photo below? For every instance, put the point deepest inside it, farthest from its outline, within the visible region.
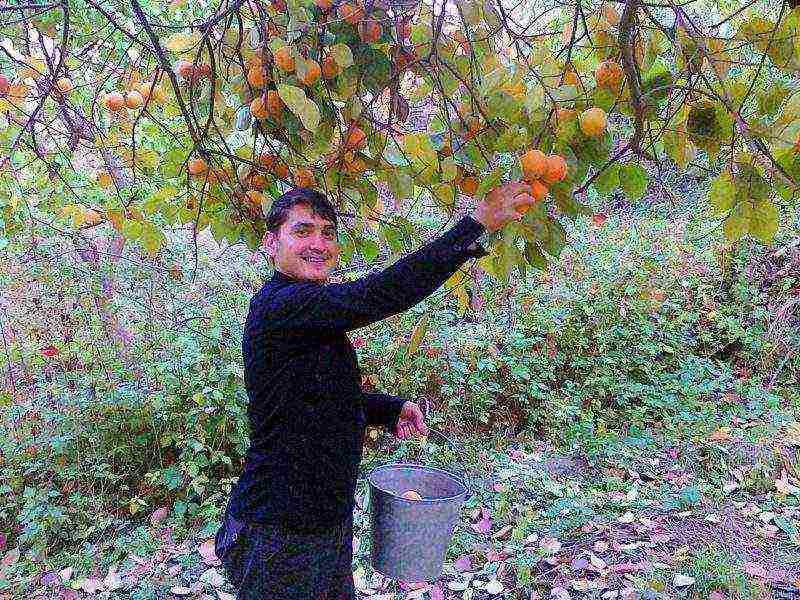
(303, 237)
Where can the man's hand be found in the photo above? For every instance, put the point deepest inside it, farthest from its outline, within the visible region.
(411, 421)
(503, 204)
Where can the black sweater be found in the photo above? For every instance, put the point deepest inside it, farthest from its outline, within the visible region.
(307, 411)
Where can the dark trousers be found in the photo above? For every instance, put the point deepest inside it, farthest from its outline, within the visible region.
(265, 563)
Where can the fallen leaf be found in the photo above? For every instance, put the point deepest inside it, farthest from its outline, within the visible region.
(494, 587)
(207, 551)
(628, 567)
(600, 546)
(550, 545)
(579, 564)
(628, 517)
(559, 593)
(754, 569)
(723, 434)
(65, 574)
(464, 563)
(90, 585)
(681, 580)
(11, 557)
(158, 515)
(580, 585)
(180, 590)
(112, 580)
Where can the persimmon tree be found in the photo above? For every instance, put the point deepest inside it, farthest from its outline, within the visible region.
(143, 116)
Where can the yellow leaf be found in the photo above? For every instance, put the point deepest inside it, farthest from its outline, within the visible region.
(419, 333)
(180, 42)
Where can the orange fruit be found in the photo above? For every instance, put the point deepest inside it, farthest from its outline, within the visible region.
(104, 180)
(468, 185)
(91, 217)
(274, 104)
(356, 138)
(202, 70)
(304, 178)
(411, 495)
(284, 60)
(280, 170)
(564, 115)
(330, 68)
(351, 12)
(556, 169)
(534, 163)
(312, 74)
(538, 189)
(64, 85)
(257, 181)
(608, 74)
(254, 197)
(570, 78)
(593, 121)
(114, 101)
(184, 68)
(323, 4)
(133, 99)
(257, 76)
(258, 107)
(268, 160)
(197, 166)
(369, 30)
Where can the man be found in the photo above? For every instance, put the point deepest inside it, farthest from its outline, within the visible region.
(287, 531)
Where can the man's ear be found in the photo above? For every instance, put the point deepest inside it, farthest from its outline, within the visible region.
(269, 243)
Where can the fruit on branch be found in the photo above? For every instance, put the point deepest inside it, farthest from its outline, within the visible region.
(608, 74)
(258, 107)
(593, 121)
(197, 166)
(556, 169)
(64, 85)
(134, 99)
(369, 30)
(534, 163)
(202, 70)
(564, 115)
(304, 178)
(152, 92)
(114, 101)
(330, 68)
(257, 76)
(312, 73)
(275, 105)
(355, 138)
(184, 68)
(352, 13)
(468, 185)
(284, 60)
(323, 4)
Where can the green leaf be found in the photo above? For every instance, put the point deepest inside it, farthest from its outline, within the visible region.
(293, 97)
(489, 182)
(722, 194)
(738, 222)
(607, 181)
(368, 248)
(764, 220)
(632, 180)
(417, 336)
(342, 55)
(310, 115)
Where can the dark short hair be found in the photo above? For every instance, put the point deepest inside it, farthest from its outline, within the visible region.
(317, 201)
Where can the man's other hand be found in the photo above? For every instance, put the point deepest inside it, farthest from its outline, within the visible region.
(410, 422)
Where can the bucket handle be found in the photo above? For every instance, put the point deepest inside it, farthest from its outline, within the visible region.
(467, 481)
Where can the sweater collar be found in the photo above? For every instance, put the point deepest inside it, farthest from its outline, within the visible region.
(282, 278)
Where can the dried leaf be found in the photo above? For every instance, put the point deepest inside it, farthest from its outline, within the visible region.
(681, 580)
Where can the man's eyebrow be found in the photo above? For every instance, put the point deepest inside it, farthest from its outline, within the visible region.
(300, 224)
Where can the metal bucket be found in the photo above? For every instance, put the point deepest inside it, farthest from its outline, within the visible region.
(410, 537)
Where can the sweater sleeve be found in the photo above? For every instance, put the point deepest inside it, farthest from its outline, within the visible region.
(382, 410)
(355, 304)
